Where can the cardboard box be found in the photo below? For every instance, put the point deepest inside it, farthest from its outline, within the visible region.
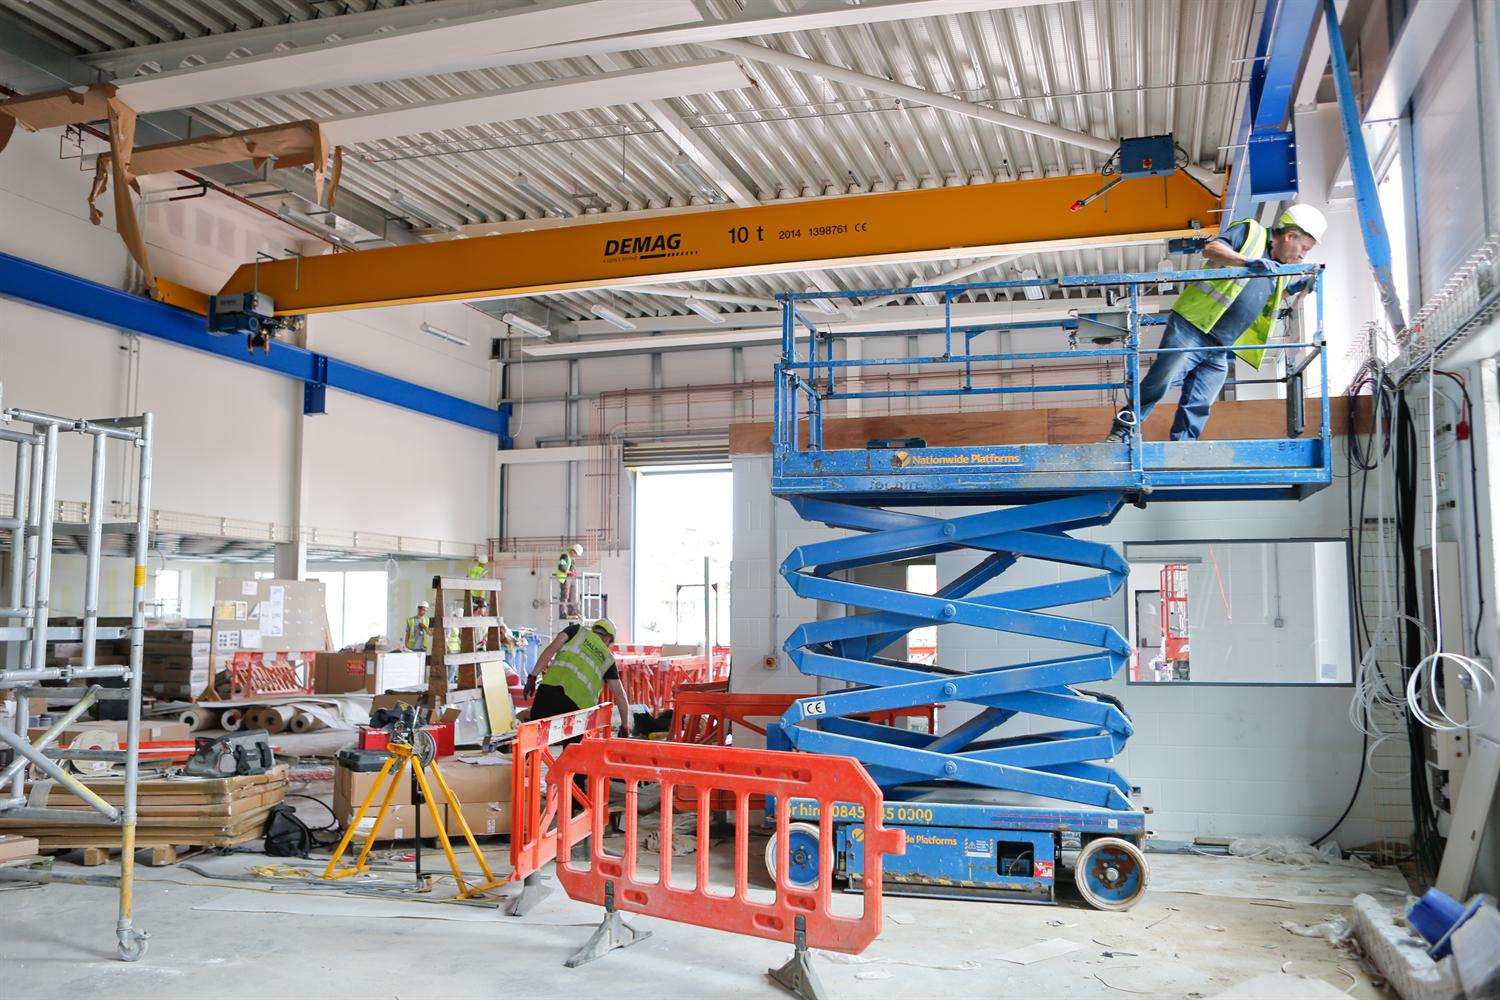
(401, 821)
(485, 819)
(478, 779)
(14, 848)
(339, 673)
(368, 672)
(151, 729)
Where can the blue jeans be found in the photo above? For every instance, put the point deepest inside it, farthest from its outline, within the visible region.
(1201, 374)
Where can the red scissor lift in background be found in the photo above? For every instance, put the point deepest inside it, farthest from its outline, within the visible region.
(1174, 618)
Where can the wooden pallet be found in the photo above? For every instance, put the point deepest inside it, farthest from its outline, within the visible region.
(153, 855)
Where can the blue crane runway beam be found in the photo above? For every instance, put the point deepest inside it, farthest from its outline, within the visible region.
(59, 291)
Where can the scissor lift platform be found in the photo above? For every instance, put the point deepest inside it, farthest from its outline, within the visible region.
(990, 815)
(1277, 468)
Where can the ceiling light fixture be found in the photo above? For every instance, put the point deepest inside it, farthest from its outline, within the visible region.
(542, 198)
(705, 310)
(613, 318)
(1032, 292)
(518, 322)
(432, 218)
(695, 176)
(441, 334)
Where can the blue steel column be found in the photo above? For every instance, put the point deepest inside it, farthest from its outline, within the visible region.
(1366, 197)
(1133, 366)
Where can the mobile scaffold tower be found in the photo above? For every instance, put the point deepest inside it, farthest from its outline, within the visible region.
(992, 813)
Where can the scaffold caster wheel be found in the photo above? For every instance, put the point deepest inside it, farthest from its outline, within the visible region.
(802, 852)
(132, 944)
(1111, 874)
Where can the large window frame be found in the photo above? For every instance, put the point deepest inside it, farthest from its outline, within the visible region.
(1127, 612)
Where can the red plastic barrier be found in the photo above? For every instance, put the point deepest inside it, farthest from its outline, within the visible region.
(704, 713)
(250, 676)
(534, 803)
(742, 773)
(654, 681)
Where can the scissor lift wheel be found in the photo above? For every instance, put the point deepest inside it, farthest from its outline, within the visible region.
(1111, 874)
(802, 855)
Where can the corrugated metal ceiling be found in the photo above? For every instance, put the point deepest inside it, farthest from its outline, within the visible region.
(1110, 67)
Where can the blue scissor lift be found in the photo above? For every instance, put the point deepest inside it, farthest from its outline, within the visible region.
(987, 815)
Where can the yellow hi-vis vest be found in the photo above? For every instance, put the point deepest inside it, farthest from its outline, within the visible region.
(579, 667)
(416, 639)
(1203, 303)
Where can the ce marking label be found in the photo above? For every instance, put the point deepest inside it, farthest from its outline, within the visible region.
(861, 227)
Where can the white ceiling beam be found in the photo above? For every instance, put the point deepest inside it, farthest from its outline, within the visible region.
(676, 128)
(814, 15)
(464, 44)
(293, 34)
(674, 292)
(466, 41)
(887, 319)
(942, 102)
(957, 274)
(553, 97)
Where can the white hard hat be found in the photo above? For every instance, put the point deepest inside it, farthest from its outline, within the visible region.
(577, 549)
(423, 604)
(1305, 218)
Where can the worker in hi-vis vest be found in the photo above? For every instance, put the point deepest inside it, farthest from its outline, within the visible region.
(567, 582)
(572, 672)
(418, 627)
(478, 572)
(1237, 312)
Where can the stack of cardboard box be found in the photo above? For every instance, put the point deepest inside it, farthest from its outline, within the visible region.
(175, 663)
(482, 785)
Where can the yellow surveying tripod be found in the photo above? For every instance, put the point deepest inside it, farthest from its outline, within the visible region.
(422, 764)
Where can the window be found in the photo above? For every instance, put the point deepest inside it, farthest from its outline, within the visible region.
(1242, 612)
(356, 604)
(682, 514)
(921, 643)
(169, 593)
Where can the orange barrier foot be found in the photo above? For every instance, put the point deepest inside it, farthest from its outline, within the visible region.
(613, 933)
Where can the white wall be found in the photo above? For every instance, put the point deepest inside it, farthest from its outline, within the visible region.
(1210, 760)
(227, 433)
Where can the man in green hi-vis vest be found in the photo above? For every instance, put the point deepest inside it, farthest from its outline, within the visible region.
(1228, 312)
(573, 671)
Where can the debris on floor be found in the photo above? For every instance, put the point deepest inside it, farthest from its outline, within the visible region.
(1040, 952)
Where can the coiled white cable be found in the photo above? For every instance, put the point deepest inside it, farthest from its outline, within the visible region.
(1427, 667)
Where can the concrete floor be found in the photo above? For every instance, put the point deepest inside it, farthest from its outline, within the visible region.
(57, 942)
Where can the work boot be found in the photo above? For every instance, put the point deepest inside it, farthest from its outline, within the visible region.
(1119, 432)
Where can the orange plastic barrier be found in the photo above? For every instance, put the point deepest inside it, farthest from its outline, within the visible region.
(654, 680)
(250, 676)
(534, 804)
(617, 882)
(704, 713)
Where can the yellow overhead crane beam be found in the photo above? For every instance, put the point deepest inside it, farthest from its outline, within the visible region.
(934, 224)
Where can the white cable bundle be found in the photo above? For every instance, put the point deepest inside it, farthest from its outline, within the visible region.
(1472, 669)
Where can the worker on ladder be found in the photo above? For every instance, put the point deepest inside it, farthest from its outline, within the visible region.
(1238, 312)
(567, 582)
(572, 672)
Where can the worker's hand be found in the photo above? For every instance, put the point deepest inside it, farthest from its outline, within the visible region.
(531, 686)
(1262, 265)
